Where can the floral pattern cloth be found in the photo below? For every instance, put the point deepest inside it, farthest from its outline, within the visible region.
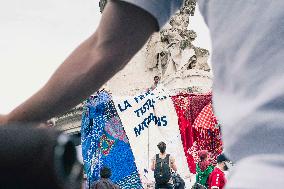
(104, 143)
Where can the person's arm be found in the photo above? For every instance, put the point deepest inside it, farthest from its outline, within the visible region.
(153, 163)
(122, 31)
(173, 163)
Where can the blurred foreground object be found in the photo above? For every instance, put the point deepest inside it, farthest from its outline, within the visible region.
(37, 158)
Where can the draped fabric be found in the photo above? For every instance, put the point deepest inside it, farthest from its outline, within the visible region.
(182, 107)
(123, 134)
(104, 143)
(207, 135)
(206, 130)
(197, 126)
(197, 103)
(148, 119)
(205, 118)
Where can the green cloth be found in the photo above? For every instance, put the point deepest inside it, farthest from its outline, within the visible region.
(202, 176)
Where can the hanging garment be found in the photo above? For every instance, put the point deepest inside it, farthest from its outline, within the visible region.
(104, 143)
(195, 116)
(148, 119)
(197, 103)
(182, 107)
(206, 119)
(207, 135)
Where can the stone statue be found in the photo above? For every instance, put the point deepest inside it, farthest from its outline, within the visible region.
(171, 51)
(178, 49)
(189, 7)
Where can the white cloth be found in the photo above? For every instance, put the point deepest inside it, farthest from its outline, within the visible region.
(248, 90)
(162, 10)
(144, 139)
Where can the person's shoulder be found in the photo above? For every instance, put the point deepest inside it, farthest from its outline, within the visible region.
(96, 184)
(211, 166)
(216, 170)
(115, 186)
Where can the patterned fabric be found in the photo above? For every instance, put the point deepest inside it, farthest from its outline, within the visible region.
(207, 134)
(182, 107)
(148, 119)
(197, 125)
(210, 141)
(104, 143)
(129, 181)
(206, 118)
(202, 176)
(197, 103)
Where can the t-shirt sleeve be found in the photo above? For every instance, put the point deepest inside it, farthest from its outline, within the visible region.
(161, 10)
(203, 7)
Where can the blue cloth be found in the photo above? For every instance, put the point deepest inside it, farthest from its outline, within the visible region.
(104, 143)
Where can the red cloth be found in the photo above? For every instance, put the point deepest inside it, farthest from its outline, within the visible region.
(197, 103)
(217, 178)
(208, 140)
(205, 118)
(181, 103)
(182, 106)
(188, 106)
(194, 113)
(206, 135)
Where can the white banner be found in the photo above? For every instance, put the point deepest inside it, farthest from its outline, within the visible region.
(148, 119)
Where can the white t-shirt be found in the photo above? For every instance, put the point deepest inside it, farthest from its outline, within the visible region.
(162, 10)
(248, 90)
